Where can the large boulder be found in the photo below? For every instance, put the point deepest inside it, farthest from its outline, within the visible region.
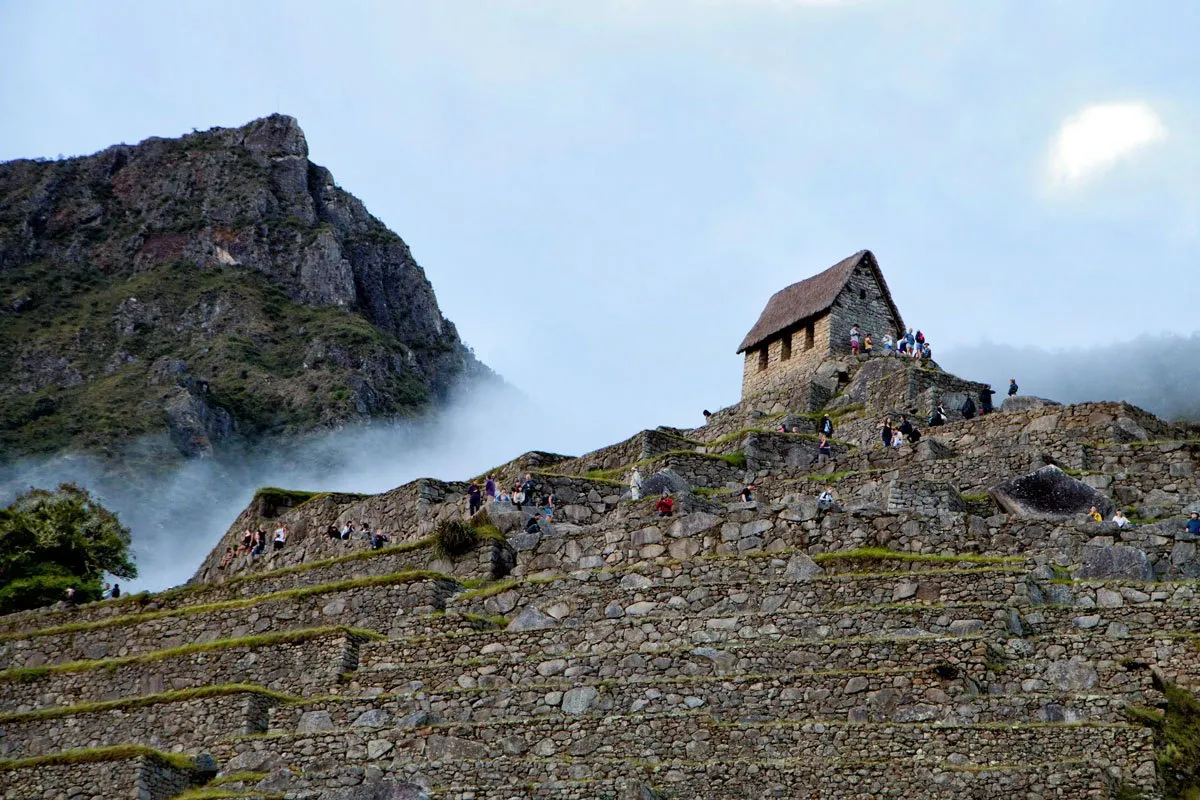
(1049, 493)
(665, 480)
(1112, 562)
(1025, 402)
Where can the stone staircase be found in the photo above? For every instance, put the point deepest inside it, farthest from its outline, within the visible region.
(736, 651)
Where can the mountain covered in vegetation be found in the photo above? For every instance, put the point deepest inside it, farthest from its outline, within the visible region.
(211, 287)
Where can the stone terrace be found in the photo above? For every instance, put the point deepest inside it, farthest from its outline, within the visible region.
(913, 641)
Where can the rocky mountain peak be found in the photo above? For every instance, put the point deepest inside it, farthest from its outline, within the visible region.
(228, 253)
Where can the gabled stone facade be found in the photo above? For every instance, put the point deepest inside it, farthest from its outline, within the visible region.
(809, 322)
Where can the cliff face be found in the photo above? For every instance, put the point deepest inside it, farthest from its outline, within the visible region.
(214, 284)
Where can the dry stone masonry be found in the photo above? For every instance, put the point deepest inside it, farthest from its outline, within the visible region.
(953, 626)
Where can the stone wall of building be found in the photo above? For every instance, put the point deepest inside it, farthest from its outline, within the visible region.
(861, 302)
(790, 358)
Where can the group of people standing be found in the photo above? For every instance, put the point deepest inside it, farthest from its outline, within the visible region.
(363, 533)
(518, 496)
(894, 434)
(910, 345)
(254, 543)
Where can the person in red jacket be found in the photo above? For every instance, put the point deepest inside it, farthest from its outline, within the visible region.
(665, 505)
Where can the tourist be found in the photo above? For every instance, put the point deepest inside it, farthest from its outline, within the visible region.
(920, 338)
(116, 591)
(106, 592)
(885, 431)
(747, 493)
(247, 540)
(474, 499)
(281, 535)
(260, 542)
(707, 414)
(909, 430)
(889, 344)
(378, 540)
(910, 340)
(938, 417)
(665, 505)
(71, 594)
(489, 488)
(518, 497)
(1012, 387)
(902, 347)
(503, 498)
(985, 399)
(824, 451)
(529, 487)
(782, 428)
(364, 530)
(534, 523)
(332, 532)
(897, 437)
(1094, 515)
(347, 531)
(549, 503)
(926, 351)
(1121, 521)
(968, 409)
(825, 500)
(230, 555)
(635, 484)
(826, 426)
(1193, 524)
(854, 339)
(867, 345)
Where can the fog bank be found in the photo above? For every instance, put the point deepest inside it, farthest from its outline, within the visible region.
(177, 514)
(1158, 373)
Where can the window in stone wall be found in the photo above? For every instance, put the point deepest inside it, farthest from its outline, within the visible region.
(862, 294)
(762, 359)
(810, 337)
(785, 347)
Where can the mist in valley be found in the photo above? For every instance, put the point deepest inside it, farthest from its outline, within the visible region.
(178, 513)
(1158, 373)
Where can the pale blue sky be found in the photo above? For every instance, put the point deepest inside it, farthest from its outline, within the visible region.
(605, 193)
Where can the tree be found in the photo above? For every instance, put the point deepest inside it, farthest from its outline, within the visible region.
(54, 540)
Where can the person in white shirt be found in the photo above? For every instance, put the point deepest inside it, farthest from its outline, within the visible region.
(1121, 521)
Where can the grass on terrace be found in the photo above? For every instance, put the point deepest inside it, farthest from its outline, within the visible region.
(395, 578)
(92, 755)
(126, 703)
(143, 598)
(28, 674)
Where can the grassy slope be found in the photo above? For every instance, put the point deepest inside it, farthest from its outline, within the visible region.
(253, 362)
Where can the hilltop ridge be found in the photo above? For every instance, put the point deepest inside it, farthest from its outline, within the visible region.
(213, 285)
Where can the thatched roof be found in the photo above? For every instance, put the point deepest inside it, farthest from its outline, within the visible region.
(811, 297)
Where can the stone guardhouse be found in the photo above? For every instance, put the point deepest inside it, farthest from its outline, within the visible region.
(808, 322)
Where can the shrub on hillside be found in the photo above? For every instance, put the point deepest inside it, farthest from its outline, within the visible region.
(454, 537)
(52, 541)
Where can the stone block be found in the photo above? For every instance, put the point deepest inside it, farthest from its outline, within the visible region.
(1049, 493)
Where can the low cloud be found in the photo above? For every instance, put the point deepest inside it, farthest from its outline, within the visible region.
(1092, 141)
(1158, 373)
(178, 514)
